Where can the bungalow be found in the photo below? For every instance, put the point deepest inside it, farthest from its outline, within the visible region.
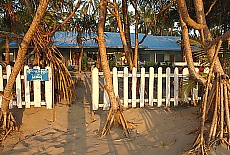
(154, 48)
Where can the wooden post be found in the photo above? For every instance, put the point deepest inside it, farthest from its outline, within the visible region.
(27, 88)
(106, 102)
(115, 81)
(151, 85)
(185, 77)
(37, 91)
(176, 86)
(126, 87)
(159, 87)
(8, 72)
(19, 91)
(48, 89)
(195, 92)
(134, 87)
(142, 88)
(95, 89)
(168, 75)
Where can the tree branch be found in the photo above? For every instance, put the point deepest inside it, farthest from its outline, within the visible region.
(210, 8)
(185, 16)
(135, 7)
(153, 22)
(111, 11)
(216, 40)
(188, 53)
(68, 18)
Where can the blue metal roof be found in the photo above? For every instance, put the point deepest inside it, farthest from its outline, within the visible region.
(113, 40)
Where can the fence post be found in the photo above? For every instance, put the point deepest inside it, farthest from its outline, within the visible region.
(37, 91)
(8, 72)
(142, 89)
(19, 90)
(126, 87)
(168, 75)
(48, 89)
(195, 91)
(134, 86)
(106, 103)
(95, 89)
(115, 81)
(159, 87)
(27, 87)
(185, 78)
(1, 84)
(176, 86)
(151, 85)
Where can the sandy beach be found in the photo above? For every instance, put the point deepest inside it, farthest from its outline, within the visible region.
(157, 131)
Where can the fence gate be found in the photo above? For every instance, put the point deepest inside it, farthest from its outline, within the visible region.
(33, 87)
(159, 88)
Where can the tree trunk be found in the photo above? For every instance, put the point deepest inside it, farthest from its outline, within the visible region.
(7, 54)
(80, 58)
(135, 56)
(104, 61)
(115, 113)
(206, 35)
(217, 86)
(98, 62)
(127, 27)
(122, 35)
(188, 54)
(21, 56)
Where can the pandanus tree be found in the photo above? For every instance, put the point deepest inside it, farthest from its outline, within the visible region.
(39, 34)
(115, 112)
(7, 120)
(215, 103)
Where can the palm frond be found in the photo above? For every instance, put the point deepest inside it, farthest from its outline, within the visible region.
(187, 85)
(198, 51)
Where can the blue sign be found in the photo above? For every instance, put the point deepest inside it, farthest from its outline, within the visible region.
(37, 74)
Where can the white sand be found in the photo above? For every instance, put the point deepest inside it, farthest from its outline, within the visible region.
(158, 131)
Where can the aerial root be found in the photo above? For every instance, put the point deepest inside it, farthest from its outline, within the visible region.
(215, 128)
(8, 124)
(115, 117)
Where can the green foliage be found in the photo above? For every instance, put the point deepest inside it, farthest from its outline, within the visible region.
(112, 63)
(187, 86)
(149, 64)
(85, 66)
(199, 54)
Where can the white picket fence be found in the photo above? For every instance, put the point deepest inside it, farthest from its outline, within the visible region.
(161, 89)
(24, 86)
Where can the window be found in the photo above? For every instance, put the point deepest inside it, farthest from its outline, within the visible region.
(144, 57)
(160, 57)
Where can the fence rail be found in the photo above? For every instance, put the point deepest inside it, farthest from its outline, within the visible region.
(161, 88)
(28, 93)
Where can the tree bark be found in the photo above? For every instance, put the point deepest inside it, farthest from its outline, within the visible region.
(206, 35)
(135, 56)
(22, 54)
(188, 53)
(122, 34)
(216, 128)
(7, 54)
(127, 28)
(104, 61)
